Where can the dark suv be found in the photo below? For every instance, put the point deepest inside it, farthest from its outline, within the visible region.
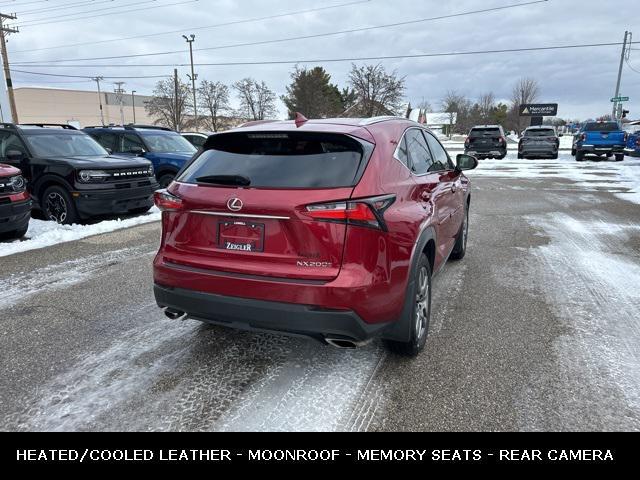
(323, 228)
(71, 177)
(487, 141)
(166, 149)
(15, 203)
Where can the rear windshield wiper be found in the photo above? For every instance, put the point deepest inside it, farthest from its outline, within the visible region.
(225, 180)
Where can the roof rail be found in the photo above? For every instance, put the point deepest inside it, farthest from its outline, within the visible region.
(64, 126)
(132, 126)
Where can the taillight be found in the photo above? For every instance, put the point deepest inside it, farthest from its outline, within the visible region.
(501, 140)
(583, 137)
(467, 142)
(166, 201)
(638, 141)
(365, 212)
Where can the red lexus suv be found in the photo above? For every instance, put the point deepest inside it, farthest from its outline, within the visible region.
(15, 203)
(328, 229)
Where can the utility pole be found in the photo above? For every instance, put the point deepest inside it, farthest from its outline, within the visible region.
(4, 31)
(119, 91)
(133, 102)
(190, 39)
(624, 52)
(98, 80)
(175, 100)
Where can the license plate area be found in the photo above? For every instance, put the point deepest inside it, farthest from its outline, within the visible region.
(240, 236)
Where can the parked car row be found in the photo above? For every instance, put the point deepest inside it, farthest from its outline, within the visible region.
(69, 175)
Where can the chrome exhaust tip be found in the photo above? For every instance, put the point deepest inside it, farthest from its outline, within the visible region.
(174, 314)
(342, 343)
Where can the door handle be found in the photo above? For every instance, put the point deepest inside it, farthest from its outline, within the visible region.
(453, 187)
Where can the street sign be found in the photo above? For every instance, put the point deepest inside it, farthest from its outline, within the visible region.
(539, 110)
(620, 99)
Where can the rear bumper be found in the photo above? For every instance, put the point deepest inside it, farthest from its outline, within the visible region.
(14, 216)
(113, 201)
(489, 152)
(550, 150)
(267, 316)
(600, 149)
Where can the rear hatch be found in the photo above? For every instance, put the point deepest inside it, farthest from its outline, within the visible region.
(244, 204)
(486, 138)
(603, 133)
(539, 137)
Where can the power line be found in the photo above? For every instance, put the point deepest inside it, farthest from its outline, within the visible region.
(631, 67)
(60, 7)
(302, 37)
(347, 59)
(85, 76)
(217, 25)
(43, 21)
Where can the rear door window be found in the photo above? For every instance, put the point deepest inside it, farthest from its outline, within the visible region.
(280, 160)
(419, 154)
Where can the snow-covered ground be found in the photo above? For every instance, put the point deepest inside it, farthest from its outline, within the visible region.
(620, 178)
(44, 234)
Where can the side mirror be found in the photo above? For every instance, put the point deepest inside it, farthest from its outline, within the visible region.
(14, 155)
(137, 151)
(109, 150)
(466, 162)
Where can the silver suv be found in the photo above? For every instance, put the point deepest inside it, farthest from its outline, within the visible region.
(539, 142)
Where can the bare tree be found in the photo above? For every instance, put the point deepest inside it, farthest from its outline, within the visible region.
(257, 101)
(214, 97)
(486, 107)
(378, 91)
(459, 109)
(164, 107)
(526, 90)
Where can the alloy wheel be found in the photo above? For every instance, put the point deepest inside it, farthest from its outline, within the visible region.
(56, 207)
(422, 303)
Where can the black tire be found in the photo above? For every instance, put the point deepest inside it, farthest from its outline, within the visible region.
(609, 155)
(460, 247)
(573, 152)
(580, 156)
(520, 156)
(555, 157)
(140, 210)
(58, 206)
(165, 179)
(420, 313)
(619, 157)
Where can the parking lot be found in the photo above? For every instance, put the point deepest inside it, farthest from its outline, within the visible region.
(537, 329)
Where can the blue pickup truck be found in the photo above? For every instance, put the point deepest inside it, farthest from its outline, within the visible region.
(599, 138)
(633, 139)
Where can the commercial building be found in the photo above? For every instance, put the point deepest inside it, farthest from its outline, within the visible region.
(78, 107)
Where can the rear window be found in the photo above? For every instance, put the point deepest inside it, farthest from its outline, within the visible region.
(602, 127)
(539, 132)
(281, 160)
(485, 132)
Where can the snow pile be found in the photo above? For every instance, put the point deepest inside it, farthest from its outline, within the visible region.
(45, 233)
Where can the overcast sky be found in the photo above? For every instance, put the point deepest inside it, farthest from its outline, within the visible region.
(582, 81)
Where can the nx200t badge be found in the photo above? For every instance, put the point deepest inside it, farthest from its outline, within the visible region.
(234, 204)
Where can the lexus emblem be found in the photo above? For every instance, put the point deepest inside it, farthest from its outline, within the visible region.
(234, 204)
